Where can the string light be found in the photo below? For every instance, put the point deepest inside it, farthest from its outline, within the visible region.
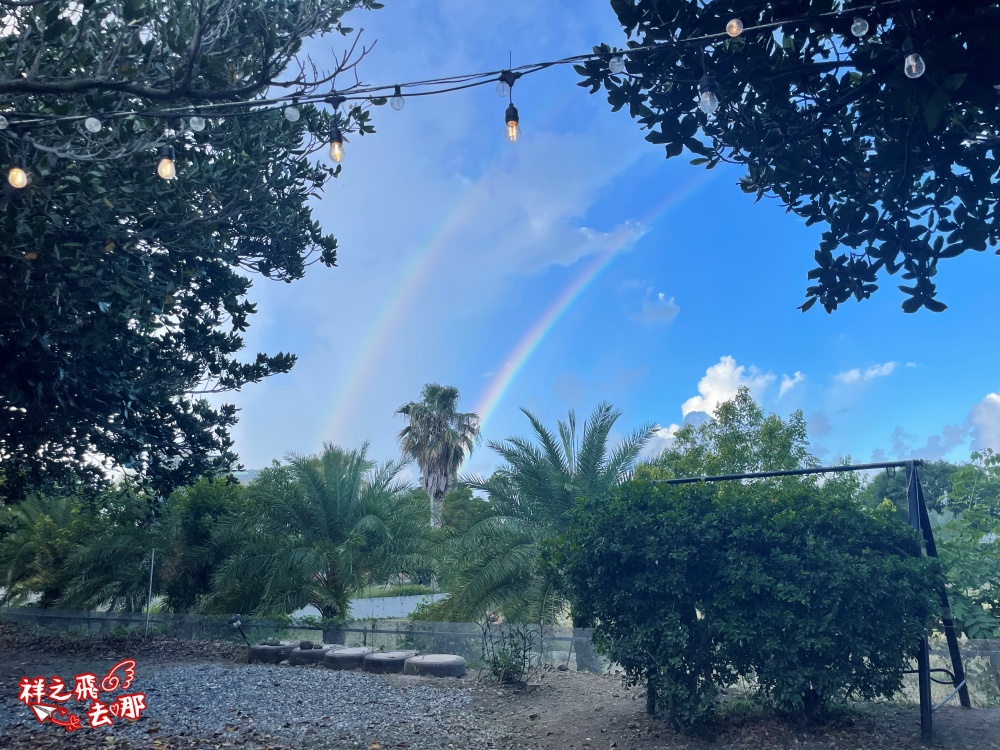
(336, 144)
(512, 119)
(397, 102)
(17, 177)
(166, 168)
(913, 65)
(708, 95)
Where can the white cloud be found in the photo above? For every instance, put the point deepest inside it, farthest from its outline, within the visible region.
(660, 441)
(985, 422)
(721, 382)
(658, 310)
(856, 375)
(788, 383)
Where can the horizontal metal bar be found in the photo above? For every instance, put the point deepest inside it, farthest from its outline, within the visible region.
(950, 695)
(792, 472)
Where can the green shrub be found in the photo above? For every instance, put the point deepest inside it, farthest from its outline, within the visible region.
(509, 651)
(795, 585)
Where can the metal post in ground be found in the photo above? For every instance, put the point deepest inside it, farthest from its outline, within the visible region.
(149, 598)
(923, 656)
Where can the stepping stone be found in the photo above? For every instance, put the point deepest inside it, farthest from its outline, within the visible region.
(263, 654)
(387, 662)
(346, 658)
(435, 665)
(314, 655)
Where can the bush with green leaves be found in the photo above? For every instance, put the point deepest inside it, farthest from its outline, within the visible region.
(509, 651)
(801, 588)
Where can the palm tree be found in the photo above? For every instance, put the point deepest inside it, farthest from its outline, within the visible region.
(318, 530)
(41, 533)
(496, 562)
(438, 438)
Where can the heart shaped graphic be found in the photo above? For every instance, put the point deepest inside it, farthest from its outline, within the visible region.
(114, 708)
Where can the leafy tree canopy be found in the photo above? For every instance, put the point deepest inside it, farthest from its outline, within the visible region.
(125, 295)
(899, 171)
(498, 563)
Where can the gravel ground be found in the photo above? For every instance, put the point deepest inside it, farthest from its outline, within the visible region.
(260, 704)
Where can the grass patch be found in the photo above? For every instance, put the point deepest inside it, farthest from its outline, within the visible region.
(396, 589)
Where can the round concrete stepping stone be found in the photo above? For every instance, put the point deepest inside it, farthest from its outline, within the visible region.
(346, 658)
(387, 662)
(313, 655)
(435, 665)
(264, 654)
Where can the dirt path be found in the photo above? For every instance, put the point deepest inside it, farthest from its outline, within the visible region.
(578, 711)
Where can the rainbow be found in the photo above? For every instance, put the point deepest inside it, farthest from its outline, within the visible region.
(376, 336)
(533, 337)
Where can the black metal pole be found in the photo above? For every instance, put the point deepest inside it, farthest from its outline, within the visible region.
(924, 681)
(792, 472)
(947, 622)
(651, 691)
(923, 655)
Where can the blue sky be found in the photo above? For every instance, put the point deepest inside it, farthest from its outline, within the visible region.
(455, 244)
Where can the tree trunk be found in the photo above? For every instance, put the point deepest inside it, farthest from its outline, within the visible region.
(436, 486)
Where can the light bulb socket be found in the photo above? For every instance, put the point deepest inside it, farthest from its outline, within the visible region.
(397, 91)
(908, 46)
(509, 77)
(167, 152)
(707, 84)
(335, 135)
(511, 114)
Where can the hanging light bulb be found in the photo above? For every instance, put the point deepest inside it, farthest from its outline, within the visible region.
(397, 102)
(92, 124)
(17, 177)
(336, 145)
(513, 126)
(197, 123)
(735, 27)
(616, 65)
(3, 123)
(913, 65)
(708, 95)
(166, 168)
(859, 27)
(503, 89)
(292, 113)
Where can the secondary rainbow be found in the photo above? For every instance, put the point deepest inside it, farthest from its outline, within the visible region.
(536, 333)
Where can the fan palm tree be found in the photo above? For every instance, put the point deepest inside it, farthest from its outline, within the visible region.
(438, 438)
(318, 530)
(42, 531)
(495, 564)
